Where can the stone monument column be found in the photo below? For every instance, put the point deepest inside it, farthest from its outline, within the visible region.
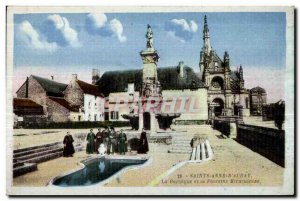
(151, 86)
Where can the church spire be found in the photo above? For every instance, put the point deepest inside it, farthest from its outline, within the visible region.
(206, 41)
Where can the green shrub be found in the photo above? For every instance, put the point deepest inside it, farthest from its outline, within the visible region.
(74, 125)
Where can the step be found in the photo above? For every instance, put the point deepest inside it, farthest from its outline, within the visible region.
(37, 150)
(182, 145)
(36, 147)
(25, 168)
(185, 148)
(17, 164)
(182, 139)
(52, 150)
(180, 151)
(44, 158)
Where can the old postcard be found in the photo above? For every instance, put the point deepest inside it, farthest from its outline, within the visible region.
(150, 101)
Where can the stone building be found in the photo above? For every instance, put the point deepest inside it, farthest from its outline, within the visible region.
(87, 97)
(258, 98)
(27, 112)
(226, 91)
(49, 94)
(78, 101)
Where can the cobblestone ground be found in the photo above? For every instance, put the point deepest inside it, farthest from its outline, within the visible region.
(233, 164)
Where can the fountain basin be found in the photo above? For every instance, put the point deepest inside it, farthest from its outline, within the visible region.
(98, 171)
(133, 120)
(166, 119)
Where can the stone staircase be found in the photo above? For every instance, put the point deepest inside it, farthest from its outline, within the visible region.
(181, 144)
(181, 141)
(25, 160)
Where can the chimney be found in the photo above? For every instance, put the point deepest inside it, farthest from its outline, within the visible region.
(95, 76)
(74, 77)
(26, 90)
(180, 66)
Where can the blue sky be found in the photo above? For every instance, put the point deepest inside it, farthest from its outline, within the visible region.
(112, 41)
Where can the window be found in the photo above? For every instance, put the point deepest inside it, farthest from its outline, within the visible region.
(247, 102)
(95, 116)
(79, 117)
(114, 115)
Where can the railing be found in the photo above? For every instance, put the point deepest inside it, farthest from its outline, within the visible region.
(268, 142)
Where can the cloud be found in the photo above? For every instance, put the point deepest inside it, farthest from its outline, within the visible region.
(181, 29)
(270, 78)
(57, 29)
(33, 39)
(98, 24)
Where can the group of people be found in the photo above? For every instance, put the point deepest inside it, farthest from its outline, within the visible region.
(108, 139)
(115, 142)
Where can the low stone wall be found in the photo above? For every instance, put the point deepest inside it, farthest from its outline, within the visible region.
(222, 126)
(227, 126)
(268, 142)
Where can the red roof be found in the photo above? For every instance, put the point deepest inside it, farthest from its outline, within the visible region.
(89, 88)
(25, 106)
(24, 102)
(64, 103)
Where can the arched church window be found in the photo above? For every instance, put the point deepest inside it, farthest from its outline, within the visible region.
(217, 83)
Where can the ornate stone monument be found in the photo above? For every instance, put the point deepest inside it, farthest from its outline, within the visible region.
(151, 89)
(149, 116)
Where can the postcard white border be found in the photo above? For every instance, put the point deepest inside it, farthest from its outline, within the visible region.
(286, 189)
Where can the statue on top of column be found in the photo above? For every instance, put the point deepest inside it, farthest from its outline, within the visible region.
(149, 37)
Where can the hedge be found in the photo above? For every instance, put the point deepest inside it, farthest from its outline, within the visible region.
(82, 124)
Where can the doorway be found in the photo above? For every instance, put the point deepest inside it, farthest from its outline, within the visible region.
(219, 106)
(146, 117)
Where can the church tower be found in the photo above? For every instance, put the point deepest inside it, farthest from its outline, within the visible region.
(205, 51)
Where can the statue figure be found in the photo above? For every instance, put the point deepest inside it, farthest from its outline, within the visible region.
(149, 37)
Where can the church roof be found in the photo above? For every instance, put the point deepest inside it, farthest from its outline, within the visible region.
(257, 90)
(169, 78)
(89, 88)
(51, 87)
(215, 59)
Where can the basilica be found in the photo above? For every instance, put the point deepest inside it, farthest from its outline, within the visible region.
(216, 90)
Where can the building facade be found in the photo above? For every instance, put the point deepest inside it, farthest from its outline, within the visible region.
(226, 92)
(258, 98)
(49, 94)
(77, 101)
(87, 98)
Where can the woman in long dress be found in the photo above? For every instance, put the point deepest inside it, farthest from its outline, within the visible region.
(122, 143)
(144, 147)
(68, 146)
(90, 138)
